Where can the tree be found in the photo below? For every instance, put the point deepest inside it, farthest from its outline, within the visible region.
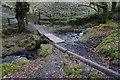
(101, 9)
(21, 9)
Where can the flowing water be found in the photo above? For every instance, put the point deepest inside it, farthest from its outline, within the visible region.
(26, 53)
(71, 37)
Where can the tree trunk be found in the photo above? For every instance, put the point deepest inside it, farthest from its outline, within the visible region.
(105, 15)
(105, 12)
(21, 9)
(113, 6)
(21, 25)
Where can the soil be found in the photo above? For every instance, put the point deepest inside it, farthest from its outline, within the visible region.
(52, 68)
(85, 49)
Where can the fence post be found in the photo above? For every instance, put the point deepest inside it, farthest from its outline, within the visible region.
(8, 21)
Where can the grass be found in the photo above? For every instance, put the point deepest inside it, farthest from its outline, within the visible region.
(76, 72)
(109, 46)
(92, 36)
(47, 56)
(106, 35)
(8, 68)
(72, 72)
(92, 76)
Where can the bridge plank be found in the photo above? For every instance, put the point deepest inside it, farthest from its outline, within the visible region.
(44, 31)
(54, 38)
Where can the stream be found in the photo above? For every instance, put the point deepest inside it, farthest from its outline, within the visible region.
(31, 55)
(71, 37)
(68, 37)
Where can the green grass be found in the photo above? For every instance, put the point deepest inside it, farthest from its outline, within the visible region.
(72, 72)
(76, 72)
(92, 76)
(47, 56)
(109, 46)
(9, 68)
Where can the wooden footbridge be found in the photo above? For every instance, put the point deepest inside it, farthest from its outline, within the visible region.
(47, 33)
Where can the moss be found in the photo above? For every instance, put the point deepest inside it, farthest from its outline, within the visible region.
(92, 36)
(8, 30)
(20, 61)
(29, 41)
(8, 45)
(47, 56)
(72, 72)
(9, 68)
(109, 46)
(22, 43)
(8, 52)
(43, 50)
(92, 76)
(103, 26)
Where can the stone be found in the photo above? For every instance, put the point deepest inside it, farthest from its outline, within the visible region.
(20, 61)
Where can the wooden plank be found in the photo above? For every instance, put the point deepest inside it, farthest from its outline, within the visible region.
(42, 30)
(54, 38)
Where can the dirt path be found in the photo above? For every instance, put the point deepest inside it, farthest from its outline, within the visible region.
(51, 68)
(81, 50)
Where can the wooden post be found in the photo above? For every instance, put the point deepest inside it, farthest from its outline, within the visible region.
(8, 21)
(39, 15)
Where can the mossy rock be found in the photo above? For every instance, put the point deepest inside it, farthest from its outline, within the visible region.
(7, 53)
(22, 43)
(8, 68)
(43, 50)
(8, 45)
(31, 46)
(20, 61)
(30, 42)
(7, 30)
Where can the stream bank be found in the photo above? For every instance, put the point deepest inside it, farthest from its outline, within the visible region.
(17, 45)
(92, 37)
(52, 63)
